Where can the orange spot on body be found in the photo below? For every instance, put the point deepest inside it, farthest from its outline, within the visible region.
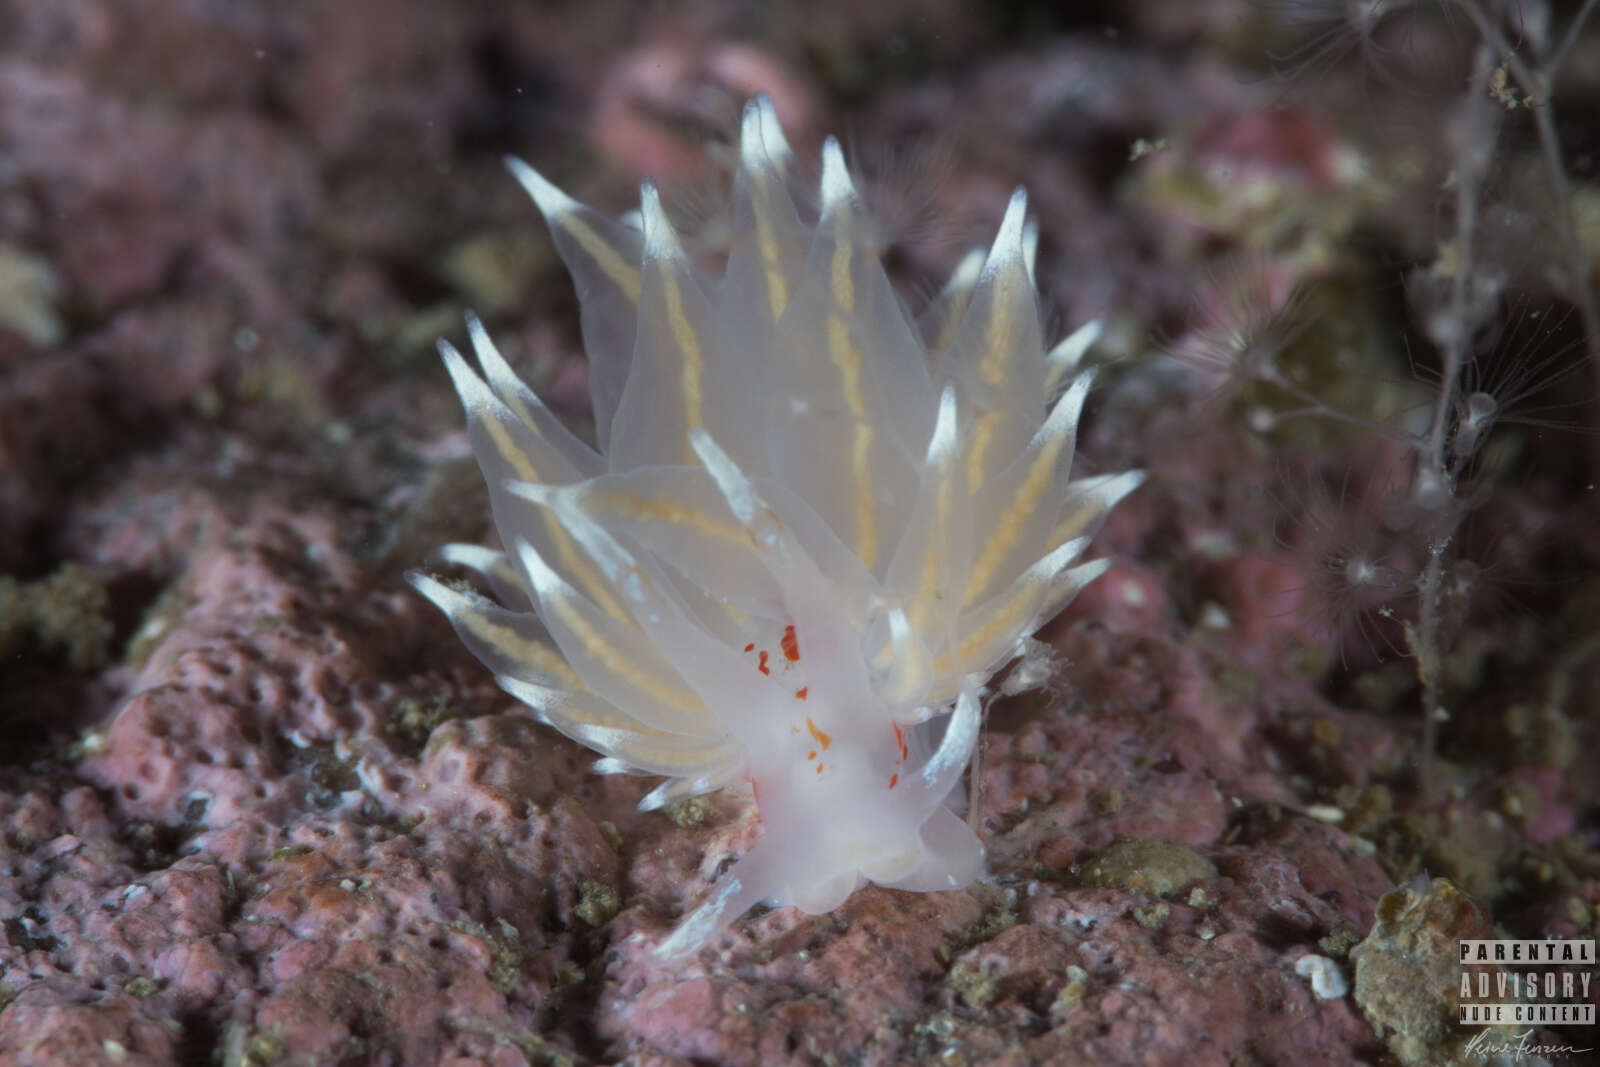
(812, 754)
(789, 644)
(750, 647)
(819, 768)
(800, 694)
(761, 663)
(823, 739)
(894, 780)
(900, 740)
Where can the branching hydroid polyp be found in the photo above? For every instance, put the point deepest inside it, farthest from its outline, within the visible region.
(1488, 359)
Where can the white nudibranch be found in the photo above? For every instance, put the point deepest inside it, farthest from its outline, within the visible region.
(814, 527)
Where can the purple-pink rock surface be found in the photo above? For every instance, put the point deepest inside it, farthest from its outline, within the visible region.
(258, 806)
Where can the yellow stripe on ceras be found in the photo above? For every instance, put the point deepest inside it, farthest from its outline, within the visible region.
(919, 611)
(660, 509)
(844, 354)
(1035, 485)
(520, 410)
(1072, 525)
(613, 266)
(668, 696)
(520, 649)
(999, 341)
(688, 343)
(928, 580)
(959, 301)
(1009, 620)
(767, 242)
(576, 564)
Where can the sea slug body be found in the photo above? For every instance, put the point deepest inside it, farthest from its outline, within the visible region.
(813, 529)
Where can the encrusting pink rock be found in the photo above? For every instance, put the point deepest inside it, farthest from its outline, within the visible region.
(283, 817)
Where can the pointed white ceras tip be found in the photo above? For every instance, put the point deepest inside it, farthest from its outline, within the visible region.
(1058, 559)
(475, 395)
(967, 272)
(483, 346)
(545, 582)
(752, 141)
(960, 734)
(1121, 486)
(762, 148)
(943, 442)
(502, 380)
(479, 558)
(660, 239)
(1030, 245)
(475, 331)
(552, 202)
(546, 496)
(615, 560)
(1062, 422)
(778, 149)
(735, 488)
(495, 367)
(1069, 351)
(1008, 244)
(604, 549)
(837, 188)
(540, 698)
(1063, 418)
(437, 593)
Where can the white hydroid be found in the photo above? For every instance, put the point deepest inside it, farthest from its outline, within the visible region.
(813, 530)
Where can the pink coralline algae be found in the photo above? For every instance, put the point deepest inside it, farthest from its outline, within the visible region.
(258, 806)
(334, 837)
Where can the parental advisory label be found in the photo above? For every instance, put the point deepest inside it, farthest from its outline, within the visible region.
(1579, 953)
(1529, 983)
